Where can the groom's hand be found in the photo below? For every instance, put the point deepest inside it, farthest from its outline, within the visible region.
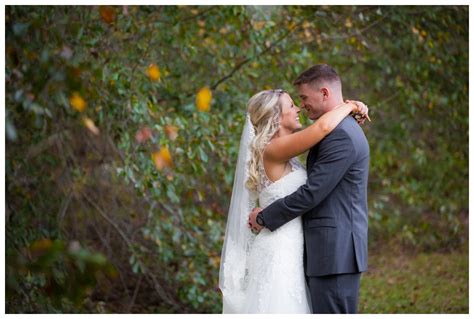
(253, 220)
(362, 112)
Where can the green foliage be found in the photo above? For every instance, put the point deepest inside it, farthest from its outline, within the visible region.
(53, 277)
(408, 63)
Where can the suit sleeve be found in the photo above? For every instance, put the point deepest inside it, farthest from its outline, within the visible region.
(336, 154)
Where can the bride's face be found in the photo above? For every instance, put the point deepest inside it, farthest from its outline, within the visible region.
(289, 119)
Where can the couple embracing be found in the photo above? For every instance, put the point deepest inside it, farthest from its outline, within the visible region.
(304, 252)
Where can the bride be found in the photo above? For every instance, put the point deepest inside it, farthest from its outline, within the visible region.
(263, 273)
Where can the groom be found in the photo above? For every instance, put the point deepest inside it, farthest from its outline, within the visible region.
(333, 201)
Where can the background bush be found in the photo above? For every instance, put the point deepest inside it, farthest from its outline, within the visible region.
(119, 173)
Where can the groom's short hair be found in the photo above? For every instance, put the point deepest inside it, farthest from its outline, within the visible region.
(317, 74)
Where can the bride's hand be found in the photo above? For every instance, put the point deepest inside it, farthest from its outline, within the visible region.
(252, 222)
(360, 110)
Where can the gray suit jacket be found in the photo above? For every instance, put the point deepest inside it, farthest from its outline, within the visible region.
(333, 203)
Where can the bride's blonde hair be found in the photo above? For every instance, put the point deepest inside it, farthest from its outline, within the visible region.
(264, 109)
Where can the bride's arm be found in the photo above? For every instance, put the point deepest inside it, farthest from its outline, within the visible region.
(281, 149)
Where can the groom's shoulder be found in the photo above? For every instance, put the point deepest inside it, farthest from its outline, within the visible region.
(350, 125)
(347, 125)
(353, 131)
(339, 133)
(348, 121)
(348, 129)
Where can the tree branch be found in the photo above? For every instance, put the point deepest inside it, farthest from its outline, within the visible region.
(247, 60)
(203, 12)
(357, 32)
(159, 289)
(132, 302)
(108, 219)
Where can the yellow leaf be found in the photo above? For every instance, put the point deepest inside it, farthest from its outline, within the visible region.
(318, 39)
(171, 131)
(258, 25)
(41, 244)
(77, 102)
(153, 72)
(90, 125)
(162, 158)
(215, 261)
(107, 13)
(157, 241)
(348, 23)
(203, 99)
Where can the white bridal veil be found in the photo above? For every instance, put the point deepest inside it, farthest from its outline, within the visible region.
(238, 236)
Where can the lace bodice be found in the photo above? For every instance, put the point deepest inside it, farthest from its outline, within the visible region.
(275, 278)
(270, 191)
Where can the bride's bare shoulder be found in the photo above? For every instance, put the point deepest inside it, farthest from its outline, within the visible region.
(272, 169)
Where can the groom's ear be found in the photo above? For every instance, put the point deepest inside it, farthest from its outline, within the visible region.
(325, 92)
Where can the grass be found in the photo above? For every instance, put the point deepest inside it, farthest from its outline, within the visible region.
(422, 283)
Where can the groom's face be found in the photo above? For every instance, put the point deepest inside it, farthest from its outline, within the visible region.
(312, 100)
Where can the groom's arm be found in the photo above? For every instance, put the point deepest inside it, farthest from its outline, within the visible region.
(336, 154)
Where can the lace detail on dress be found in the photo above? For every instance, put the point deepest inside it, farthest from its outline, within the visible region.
(265, 181)
(274, 274)
(248, 234)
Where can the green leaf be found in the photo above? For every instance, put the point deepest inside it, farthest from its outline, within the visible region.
(203, 155)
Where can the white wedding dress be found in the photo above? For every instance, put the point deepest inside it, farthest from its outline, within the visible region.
(276, 281)
(262, 273)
